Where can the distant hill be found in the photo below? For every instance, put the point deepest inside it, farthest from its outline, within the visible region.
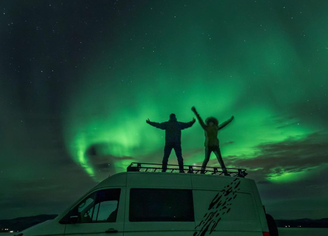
(19, 224)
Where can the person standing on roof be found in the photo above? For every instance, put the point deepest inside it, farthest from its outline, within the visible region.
(172, 129)
(211, 129)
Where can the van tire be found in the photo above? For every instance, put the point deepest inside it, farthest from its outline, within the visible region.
(272, 225)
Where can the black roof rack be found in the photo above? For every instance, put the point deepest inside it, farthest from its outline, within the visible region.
(192, 169)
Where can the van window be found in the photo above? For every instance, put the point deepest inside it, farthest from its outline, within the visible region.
(161, 205)
(100, 206)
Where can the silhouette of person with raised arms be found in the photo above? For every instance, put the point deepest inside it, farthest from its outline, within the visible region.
(211, 140)
(172, 129)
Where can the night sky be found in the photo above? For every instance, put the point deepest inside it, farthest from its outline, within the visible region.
(78, 79)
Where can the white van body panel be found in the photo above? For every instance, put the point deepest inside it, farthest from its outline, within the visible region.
(221, 205)
(49, 228)
(234, 211)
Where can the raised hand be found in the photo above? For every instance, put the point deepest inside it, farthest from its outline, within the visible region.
(148, 121)
(193, 109)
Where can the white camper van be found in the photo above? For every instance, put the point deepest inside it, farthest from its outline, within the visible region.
(144, 202)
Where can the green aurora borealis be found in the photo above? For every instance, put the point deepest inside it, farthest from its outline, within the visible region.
(223, 64)
(101, 68)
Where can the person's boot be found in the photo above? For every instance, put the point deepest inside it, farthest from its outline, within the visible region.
(225, 172)
(181, 167)
(164, 166)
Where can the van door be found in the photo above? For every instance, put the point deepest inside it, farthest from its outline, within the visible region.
(221, 213)
(101, 213)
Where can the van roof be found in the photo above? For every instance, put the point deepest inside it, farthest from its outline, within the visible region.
(150, 175)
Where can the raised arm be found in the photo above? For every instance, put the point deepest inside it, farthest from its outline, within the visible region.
(201, 122)
(184, 125)
(155, 124)
(226, 122)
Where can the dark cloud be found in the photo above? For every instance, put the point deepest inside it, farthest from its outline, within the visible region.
(290, 155)
(306, 156)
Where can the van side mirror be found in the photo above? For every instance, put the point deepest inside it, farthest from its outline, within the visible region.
(73, 219)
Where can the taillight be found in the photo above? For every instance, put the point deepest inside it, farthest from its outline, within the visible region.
(266, 234)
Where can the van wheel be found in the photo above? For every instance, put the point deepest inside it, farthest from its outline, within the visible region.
(272, 225)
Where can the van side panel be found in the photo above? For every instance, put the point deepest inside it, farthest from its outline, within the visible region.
(228, 214)
(260, 209)
(225, 206)
(158, 180)
(206, 182)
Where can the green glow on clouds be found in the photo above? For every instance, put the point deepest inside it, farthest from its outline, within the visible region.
(290, 176)
(248, 70)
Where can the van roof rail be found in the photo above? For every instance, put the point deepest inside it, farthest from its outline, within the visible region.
(192, 169)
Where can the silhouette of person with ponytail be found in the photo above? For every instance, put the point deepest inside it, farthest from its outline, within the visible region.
(211, 129)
